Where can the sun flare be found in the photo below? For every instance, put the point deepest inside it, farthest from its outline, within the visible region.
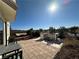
(53, 7)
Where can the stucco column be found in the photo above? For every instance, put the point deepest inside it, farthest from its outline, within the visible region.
(6, 33)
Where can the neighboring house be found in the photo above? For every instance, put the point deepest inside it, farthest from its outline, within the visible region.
(77, 34)
(21, 34)
(72, 36)
(47, 34)
(77, 30)
(52, 38)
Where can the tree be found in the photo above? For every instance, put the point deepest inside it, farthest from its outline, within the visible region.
(30, 32)
(40, 30)
(36, 33)
(73, 29)
(51, 30)
(62, 31)
(33, 33)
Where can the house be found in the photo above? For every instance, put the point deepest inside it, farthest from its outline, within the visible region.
(7, 14)
(20, 34)
(47, 34)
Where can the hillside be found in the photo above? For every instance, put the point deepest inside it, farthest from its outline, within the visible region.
(70, 50)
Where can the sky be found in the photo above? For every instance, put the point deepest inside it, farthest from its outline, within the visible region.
(36, 14)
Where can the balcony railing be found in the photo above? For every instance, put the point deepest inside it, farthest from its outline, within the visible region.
(17, 55)
(12, 51)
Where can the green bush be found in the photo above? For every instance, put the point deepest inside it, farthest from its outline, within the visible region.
(33, 33)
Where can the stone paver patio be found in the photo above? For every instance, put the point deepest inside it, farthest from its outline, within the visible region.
(37, 50)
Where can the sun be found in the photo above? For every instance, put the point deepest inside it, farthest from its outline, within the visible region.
(53, 7)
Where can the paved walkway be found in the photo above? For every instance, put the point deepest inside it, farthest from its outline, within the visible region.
(37, 50)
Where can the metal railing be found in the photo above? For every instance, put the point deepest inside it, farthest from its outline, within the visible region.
(11, 51)
(16, 55)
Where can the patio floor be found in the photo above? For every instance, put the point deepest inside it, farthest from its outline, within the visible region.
(37, 50)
